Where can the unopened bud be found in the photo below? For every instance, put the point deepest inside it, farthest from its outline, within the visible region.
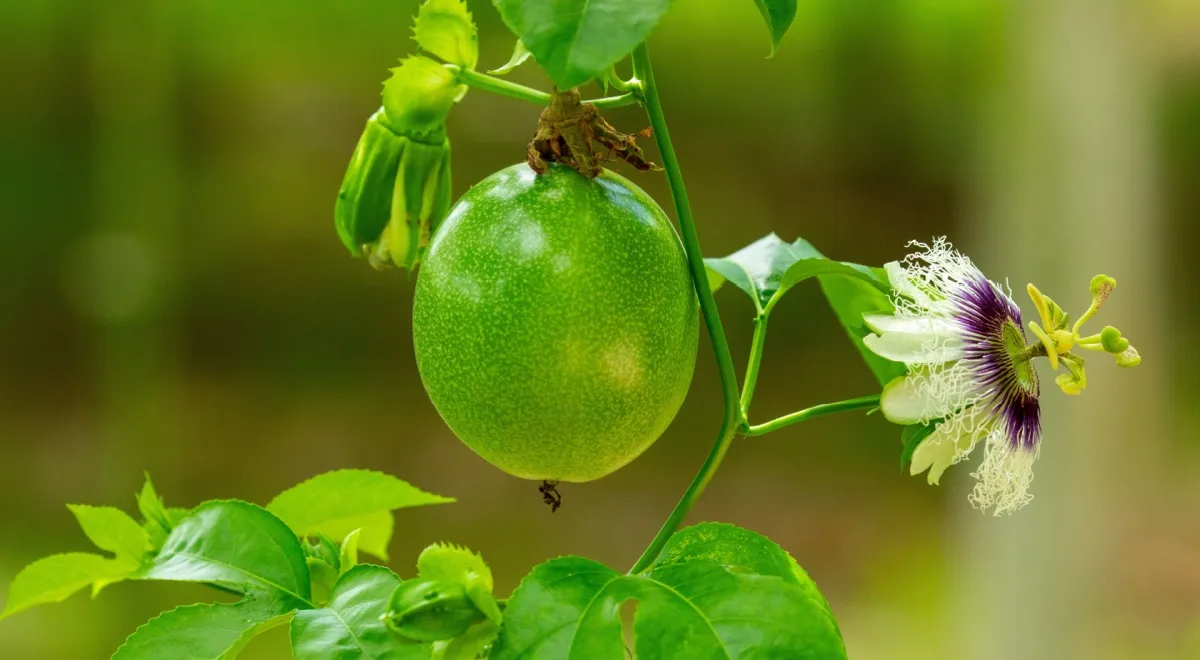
(431, 610)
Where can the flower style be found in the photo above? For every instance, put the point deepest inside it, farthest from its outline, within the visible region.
(970, 371)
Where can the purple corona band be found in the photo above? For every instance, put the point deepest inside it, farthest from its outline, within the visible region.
(1010, 384)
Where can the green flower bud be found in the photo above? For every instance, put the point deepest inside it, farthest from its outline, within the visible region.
(397, 188)
(418, 97)
(364, 202)
(1112, 341)
(431, 610)
(420, 199)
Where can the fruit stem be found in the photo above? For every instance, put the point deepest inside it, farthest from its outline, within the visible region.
(731, 418)
(861, 403)
(483, 81)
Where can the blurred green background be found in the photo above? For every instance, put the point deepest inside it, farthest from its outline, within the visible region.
(173, 297)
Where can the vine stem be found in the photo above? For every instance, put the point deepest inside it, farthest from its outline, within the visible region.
(483, 81)
(861, 403)
(647, 93)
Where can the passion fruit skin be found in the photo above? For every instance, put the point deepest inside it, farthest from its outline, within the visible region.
(555, 323)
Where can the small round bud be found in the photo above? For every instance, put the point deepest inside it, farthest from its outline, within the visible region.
(431, 610)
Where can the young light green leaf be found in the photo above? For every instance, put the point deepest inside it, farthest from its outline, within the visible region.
(779, 15)
(157, 519)
(350, 627)
(450, 563)
(850, 299)
(336, 503)
(704, 599)
(348, 555)
(577, 41)
(56, 578)
(769, 267)
(238, 545)
(206, 631)
(113, 530)
(445, 28)
(519, 55)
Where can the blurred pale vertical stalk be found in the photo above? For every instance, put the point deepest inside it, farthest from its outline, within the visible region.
(1068, 191)
(132, 252)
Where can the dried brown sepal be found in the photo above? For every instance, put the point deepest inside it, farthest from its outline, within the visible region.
(569, 132)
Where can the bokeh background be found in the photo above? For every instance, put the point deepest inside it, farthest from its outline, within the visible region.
(173, 297)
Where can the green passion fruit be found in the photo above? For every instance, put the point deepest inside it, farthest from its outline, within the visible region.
(555, 323)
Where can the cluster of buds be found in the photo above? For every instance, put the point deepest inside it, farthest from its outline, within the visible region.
(397, 187)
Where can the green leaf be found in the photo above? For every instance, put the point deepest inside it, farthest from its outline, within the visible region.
(577, 40)
(469, 645)
(912, 437)
(716, 592)
(238, 545)
(850, 299)
(350, 627)
(779, 15)
(769, 267)
(175, 514)
(336, 503)
(741, 551)
(55, 578)
(445, 28)
(158, 522)
(206, 631)
(113, 530)
(519, 55)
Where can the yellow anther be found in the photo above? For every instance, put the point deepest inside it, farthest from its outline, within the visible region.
(1068, 384)
(1075, 380)
(1039, 302)
(1051, 352)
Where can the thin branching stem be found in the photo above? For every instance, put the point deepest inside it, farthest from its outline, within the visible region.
(731, 415)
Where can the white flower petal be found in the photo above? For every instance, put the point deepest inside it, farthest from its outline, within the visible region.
(913, 340)
(950, 442)
(929, 393)
(903, 284)
(934, 454)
